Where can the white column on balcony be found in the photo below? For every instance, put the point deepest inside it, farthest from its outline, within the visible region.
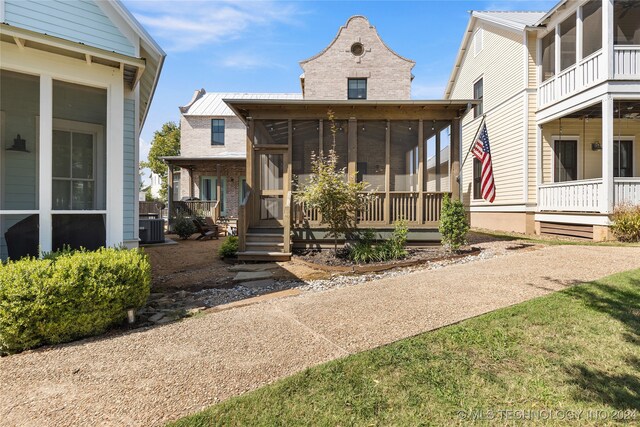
(558, 67)
(606, 197)
(607, 39)
(46, 165)
(539, 159)
(579, 44)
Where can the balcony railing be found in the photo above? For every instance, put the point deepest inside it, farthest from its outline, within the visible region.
(585, 195)
(402, 205)
(580, 76)
(626, 62)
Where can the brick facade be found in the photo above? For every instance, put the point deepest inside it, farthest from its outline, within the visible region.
(195, 136)
(388, 74)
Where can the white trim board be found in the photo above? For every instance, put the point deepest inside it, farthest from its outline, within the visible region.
(503, 208)
(574, 219)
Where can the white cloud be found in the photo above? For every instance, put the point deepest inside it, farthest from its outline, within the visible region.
(187, 25)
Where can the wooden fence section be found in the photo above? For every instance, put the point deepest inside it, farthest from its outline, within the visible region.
(403, 205)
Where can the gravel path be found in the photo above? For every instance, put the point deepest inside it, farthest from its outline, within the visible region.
(150, 376)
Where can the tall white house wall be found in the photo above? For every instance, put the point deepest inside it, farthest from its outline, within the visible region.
(81, 21)
(501, 66)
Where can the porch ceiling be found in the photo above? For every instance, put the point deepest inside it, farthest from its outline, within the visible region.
(317, 109)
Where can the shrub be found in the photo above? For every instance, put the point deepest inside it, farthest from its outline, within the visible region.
(229, 247)
(626, 223)
(453, 224)
(184, 227)
(74, 295)
(365, 250)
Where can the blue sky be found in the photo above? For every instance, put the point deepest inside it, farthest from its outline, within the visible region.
(255, 46)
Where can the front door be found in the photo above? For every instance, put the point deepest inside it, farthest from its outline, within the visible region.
(270, 172)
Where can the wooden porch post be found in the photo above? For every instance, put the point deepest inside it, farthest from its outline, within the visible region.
(454, 159)
(438, 173)
(169, 193)
(353, 149)
(218, 187)
(387, 174)
(286, 202)
(191, 181)
(320, 137)
(420, 211)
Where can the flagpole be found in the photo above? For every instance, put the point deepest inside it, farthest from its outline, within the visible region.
(473, 141)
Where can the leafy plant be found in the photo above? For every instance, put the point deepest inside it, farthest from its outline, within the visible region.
(229, 247)
(453, 224)
(626, 223)
(165, 142)
(184, 227)
(337, 200)
(70, 295)
(366, 250)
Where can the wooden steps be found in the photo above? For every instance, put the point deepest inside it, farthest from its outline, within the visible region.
(264, 244)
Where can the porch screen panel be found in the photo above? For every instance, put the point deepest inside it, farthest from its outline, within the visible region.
(271, 132)
(404, 155)
(548, 55)
(19, 236)
(566, 160)
(306, 142)
(341, 140)
(371, 153)
(568, 42)
(626, 22)
(79, 165)
(437, 147)
(19, 149)
(592, 23)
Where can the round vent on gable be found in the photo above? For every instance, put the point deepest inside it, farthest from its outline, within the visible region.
(357, 49)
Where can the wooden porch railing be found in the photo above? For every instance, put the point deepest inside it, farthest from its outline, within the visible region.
(574, 196)
(207, 208)
(626, 62)
(403, 205)
(243, 221)
(627, 191)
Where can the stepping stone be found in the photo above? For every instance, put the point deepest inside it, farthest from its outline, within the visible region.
(254, 284)
(247, 276)
(254, 267)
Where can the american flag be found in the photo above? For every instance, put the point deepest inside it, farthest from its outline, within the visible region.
(482, 152)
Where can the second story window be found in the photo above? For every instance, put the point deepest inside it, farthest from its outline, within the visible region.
(568, 42)
(592, 20)
(478, 91)
(357, 89)
(217, 131)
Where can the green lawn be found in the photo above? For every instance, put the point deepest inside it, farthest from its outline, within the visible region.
(577, 350)
(549, 240)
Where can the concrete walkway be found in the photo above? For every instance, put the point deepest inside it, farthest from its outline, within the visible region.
(148, 377)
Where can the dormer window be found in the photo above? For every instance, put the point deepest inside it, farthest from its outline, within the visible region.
(357, 89)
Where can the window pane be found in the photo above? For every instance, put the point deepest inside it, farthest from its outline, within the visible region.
(592, 24)
(82, 155)
(626, 22)
(371, 153)
(306, 141)
(271, 168)
(19, 236)
(477, 176)
(19, 109)
(217, 131)
(61, 154)
(82, 195)
(568, 42)
(478, 93)
(271, 132)
(357, 89)
(61, 194)
(437, 136)
(548, 55)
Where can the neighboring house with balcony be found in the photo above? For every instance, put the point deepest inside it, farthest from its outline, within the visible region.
(560, 91)
(76, 82)
(213, 147)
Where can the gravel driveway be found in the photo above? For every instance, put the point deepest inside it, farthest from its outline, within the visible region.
(150, 376)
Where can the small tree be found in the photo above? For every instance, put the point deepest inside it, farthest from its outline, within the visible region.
(166, 142)
(453, 224)
(338, 200)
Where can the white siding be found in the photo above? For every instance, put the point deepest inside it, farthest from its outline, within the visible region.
(129, 170)
(501, 65)
(80, 21)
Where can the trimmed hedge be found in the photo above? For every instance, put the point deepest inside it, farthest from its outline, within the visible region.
(69, 296)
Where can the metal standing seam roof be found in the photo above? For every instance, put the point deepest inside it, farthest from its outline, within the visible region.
(519, 18)
(212, 104)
